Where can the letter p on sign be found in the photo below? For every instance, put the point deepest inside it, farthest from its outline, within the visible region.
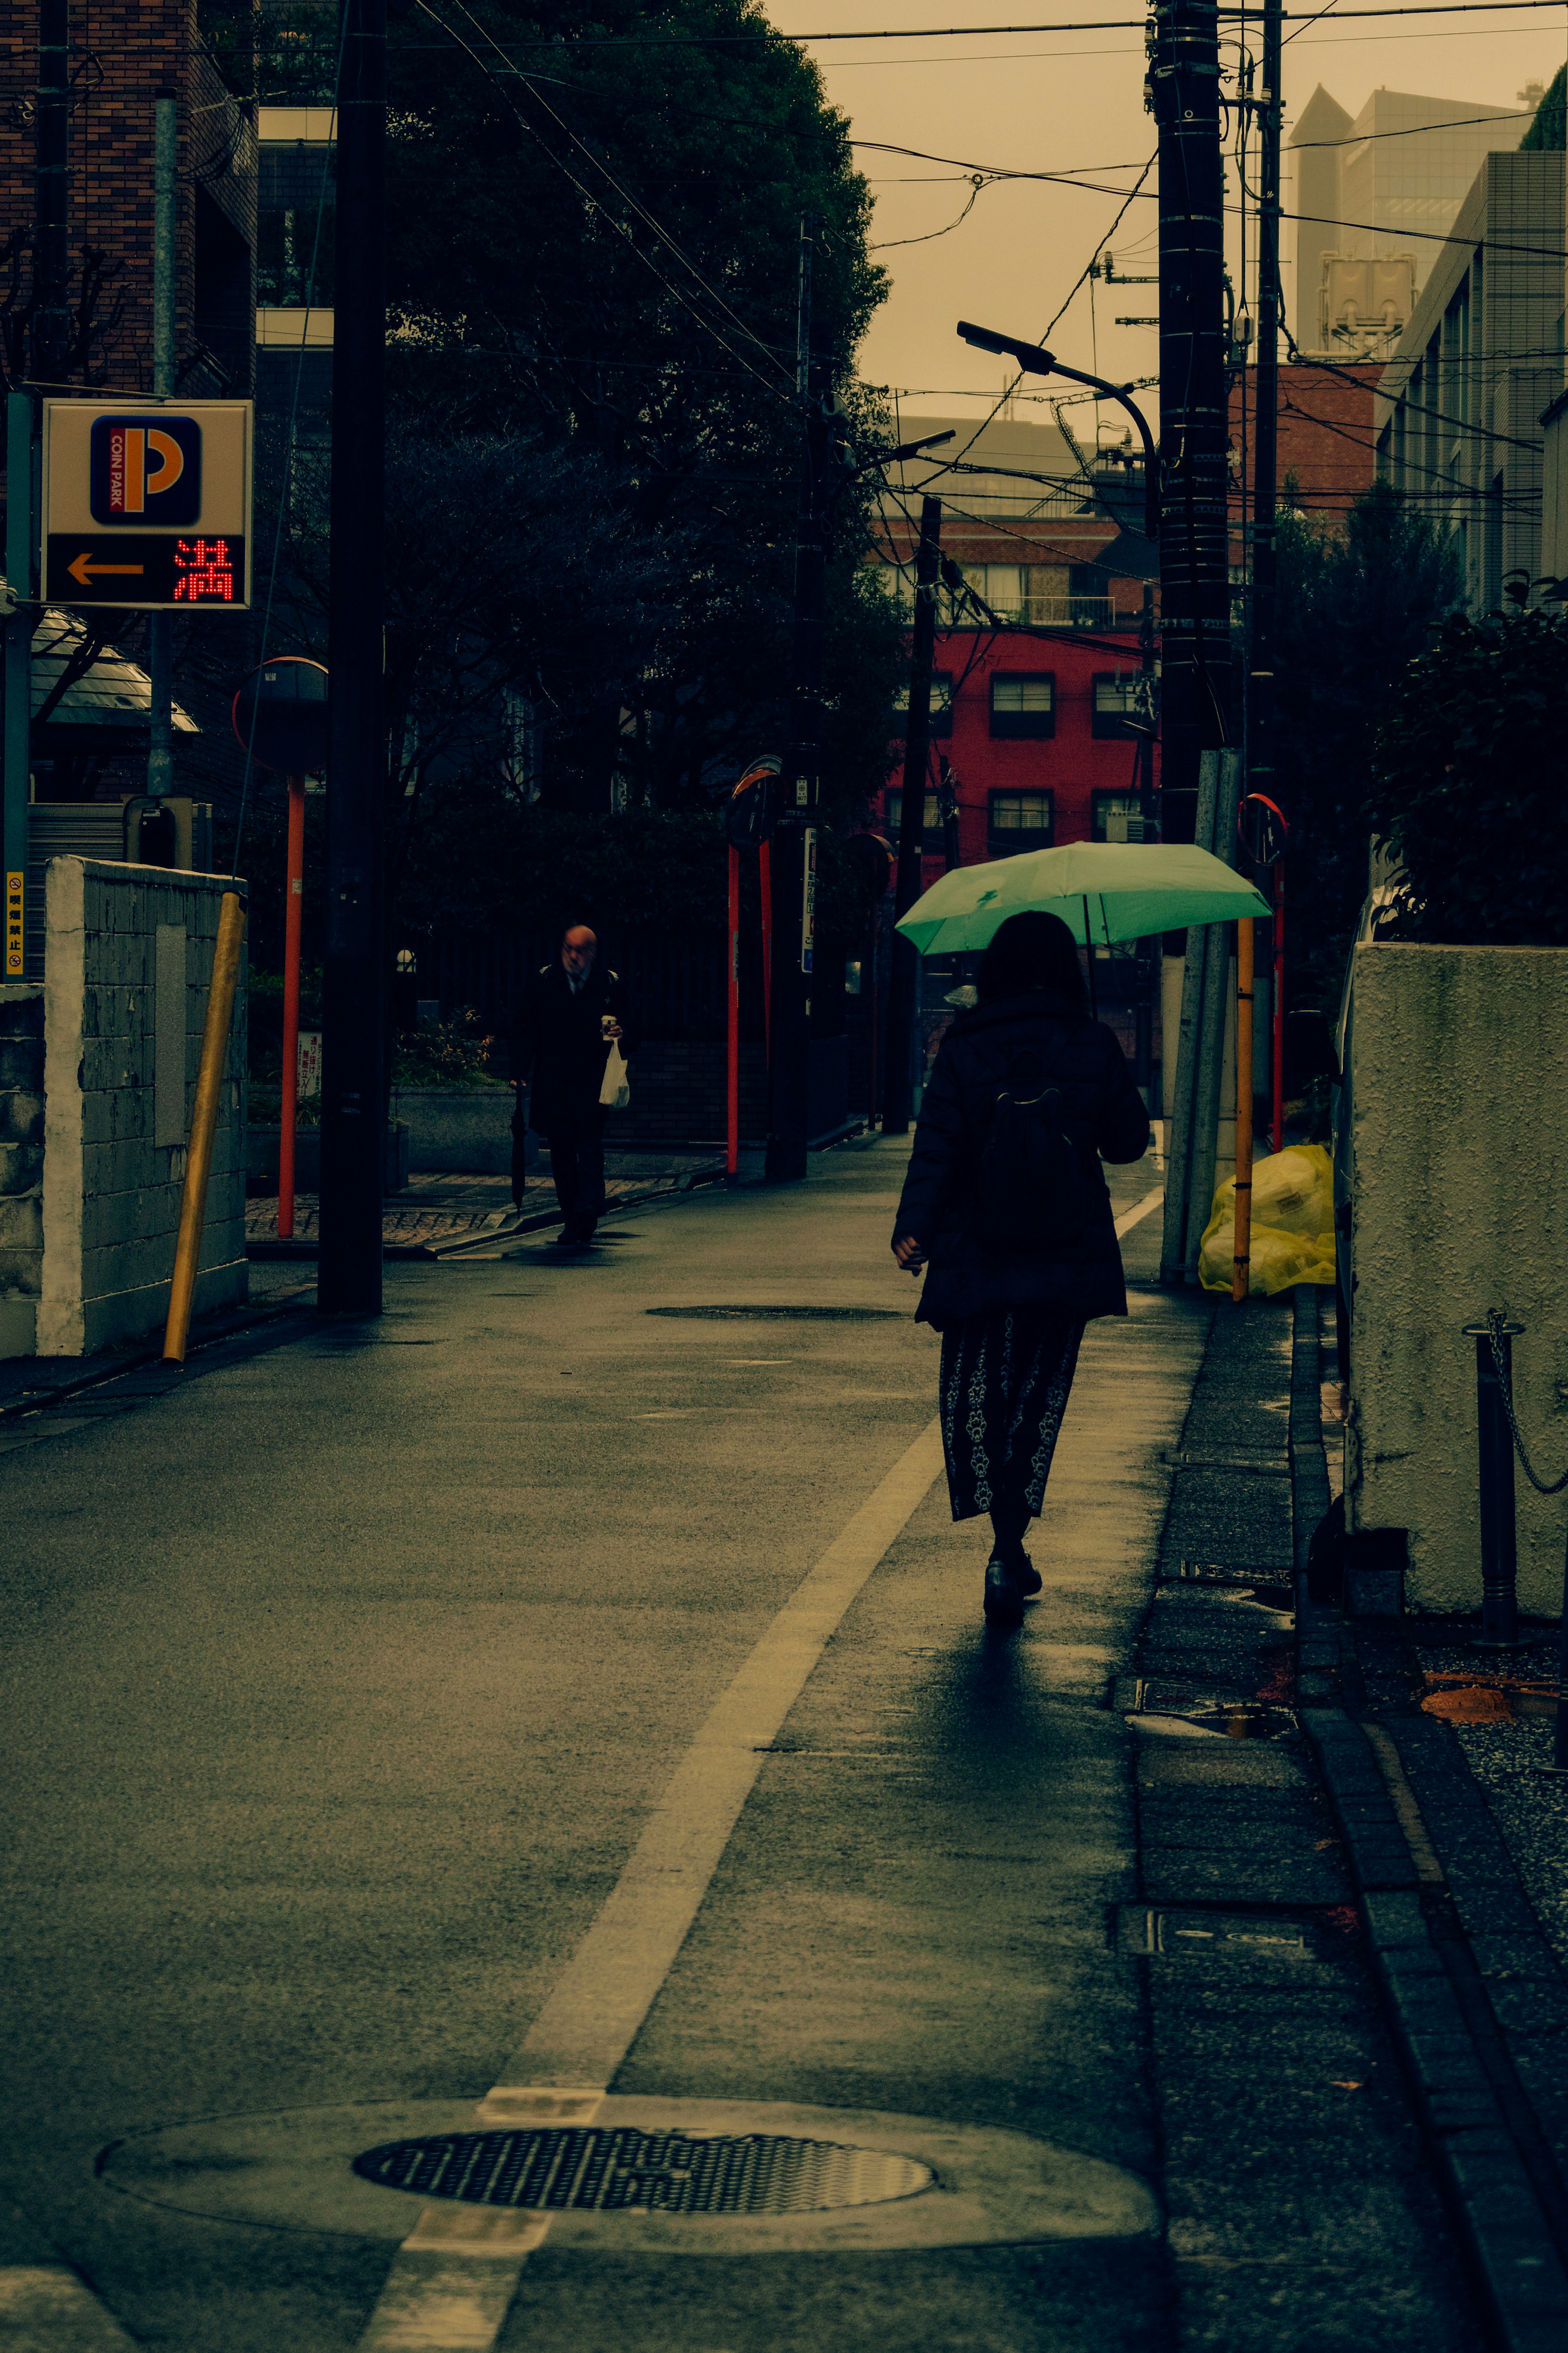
(145, 470)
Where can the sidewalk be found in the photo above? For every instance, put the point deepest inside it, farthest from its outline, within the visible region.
(576, 1678)
(446, 1208)
(1458, 1853)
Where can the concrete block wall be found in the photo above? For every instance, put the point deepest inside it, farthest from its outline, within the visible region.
(21, 1166)
(129, 961)
(1459, 1064)
(678, 1093)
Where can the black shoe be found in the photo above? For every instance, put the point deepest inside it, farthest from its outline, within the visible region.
(1004, 1603)
(1026, 1576)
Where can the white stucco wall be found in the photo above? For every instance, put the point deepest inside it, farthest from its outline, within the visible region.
(1458, 1062)
(128, 962)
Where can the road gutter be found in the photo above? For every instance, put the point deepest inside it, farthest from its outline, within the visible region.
(1485, 2142)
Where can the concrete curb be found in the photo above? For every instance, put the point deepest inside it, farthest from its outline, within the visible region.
(1473, 2111)
(207, 1333)
(454, 1245)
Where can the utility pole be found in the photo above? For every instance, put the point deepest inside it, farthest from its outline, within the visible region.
(352, 1109)
(51, 252)
(161, 663)
(1264, 422)
(1194, 578)
(50, 342)
(1151, 963)
(794, 840)
(898, 1090)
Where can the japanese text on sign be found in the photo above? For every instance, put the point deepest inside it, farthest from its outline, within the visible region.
(15, 943)
(204, 572)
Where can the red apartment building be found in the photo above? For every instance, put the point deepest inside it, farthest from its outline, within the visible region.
(1027, 740)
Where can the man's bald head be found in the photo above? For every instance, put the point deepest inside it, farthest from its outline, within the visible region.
(578, 949)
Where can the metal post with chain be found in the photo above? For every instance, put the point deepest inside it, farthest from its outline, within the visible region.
(1495, 1336)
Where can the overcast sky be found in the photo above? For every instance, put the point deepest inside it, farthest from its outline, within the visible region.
(1072, 102)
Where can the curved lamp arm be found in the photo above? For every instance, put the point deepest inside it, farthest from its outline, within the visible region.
(1036, 360)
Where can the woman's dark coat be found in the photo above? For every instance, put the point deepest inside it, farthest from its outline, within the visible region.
(1101, 1111)
(558, 1044)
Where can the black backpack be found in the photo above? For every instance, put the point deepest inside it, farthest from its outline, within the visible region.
(1035, 1197)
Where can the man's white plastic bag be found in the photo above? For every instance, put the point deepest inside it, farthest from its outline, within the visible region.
(615, 1093)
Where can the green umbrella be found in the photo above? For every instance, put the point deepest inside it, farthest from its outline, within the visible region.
(1101, 890)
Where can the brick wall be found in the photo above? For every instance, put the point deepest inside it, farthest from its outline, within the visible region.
(122, 53)
(1326, 436)
(678, 1093)
(129, 956)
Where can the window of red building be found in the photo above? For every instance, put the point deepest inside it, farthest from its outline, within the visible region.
(933, 832)
(1115, 699)
(1023, 705)
(1019, 821)
(940, 705)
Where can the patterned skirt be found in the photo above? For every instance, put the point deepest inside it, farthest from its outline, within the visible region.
(1005, 1379)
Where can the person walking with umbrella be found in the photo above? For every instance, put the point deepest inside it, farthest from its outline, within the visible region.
(1006, 1204)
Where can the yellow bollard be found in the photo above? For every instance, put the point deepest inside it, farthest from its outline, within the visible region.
(203, 1123)
(1241, 1264)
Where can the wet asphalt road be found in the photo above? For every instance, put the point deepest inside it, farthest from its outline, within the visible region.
(343, 1681)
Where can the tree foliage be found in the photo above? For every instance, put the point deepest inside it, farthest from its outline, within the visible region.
(1547, 126)
(1357, 606)
(595, 434)
(1466, 784)
(594, 230)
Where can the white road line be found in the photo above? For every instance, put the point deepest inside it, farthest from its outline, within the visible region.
(46, 2308)
(450, 2289)
(1125, 1224)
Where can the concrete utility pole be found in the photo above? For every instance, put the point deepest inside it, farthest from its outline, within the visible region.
(1151, 961)
(1264, 422)
(352, 1109)
(794, 840)
(1195, 583)
(897, 1093)
(161, 665)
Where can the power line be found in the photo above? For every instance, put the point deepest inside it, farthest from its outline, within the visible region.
(979, 32)
(1411, 129)
(1322, 220)
(1081, 281)
(604, 214)
(658, 229)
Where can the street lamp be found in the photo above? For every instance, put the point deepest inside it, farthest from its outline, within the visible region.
(1034, 360)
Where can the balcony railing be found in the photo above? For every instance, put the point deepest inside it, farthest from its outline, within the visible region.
(1062, 612)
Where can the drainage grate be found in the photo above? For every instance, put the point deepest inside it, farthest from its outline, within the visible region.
(670, 2172)
(790, 1315)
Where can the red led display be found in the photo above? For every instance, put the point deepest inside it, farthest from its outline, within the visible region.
(204, 572)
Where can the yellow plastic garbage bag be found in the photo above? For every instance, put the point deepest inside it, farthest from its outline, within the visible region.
(1292, 1237)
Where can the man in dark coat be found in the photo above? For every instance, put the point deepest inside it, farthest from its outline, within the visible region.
(574, 1012)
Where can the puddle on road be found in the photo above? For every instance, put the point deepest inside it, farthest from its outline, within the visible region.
(759, 1314)
(1242, 1719)
(1193, 1932)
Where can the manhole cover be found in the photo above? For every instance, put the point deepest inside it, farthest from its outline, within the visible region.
(667, 2172)
(792, 1314)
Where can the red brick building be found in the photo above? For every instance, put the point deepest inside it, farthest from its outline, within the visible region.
(122, 54)
(1027, 718)
(1327, 454)
(1027, 736)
